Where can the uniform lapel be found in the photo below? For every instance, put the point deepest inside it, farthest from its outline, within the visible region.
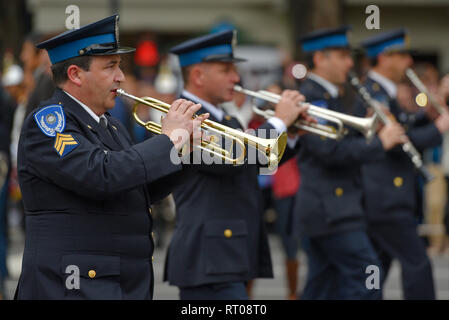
(118, 137)
(73, 107)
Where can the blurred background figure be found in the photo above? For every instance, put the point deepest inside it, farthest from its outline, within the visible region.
(285, 185)
(13, 81)
(443, 90)
(12, 76)
(37, 74)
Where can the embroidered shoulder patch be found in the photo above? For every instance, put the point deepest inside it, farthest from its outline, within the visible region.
(64, 144)
(50, 120)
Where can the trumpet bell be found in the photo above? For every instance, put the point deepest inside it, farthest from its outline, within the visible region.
(277, 151)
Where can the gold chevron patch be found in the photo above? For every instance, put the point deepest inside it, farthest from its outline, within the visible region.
(64, 144)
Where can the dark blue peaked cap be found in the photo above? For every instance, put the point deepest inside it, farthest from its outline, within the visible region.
(391, 41)
(212, 47)
(98, 38)
(326, 38)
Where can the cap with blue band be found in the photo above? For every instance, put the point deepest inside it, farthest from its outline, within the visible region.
(98, 38)
(212, 47)
(391, 41)
(325, 39)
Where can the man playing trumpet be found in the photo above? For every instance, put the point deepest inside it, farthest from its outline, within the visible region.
(391, 185)
(87, 189)
(220, 241)
(328, 211)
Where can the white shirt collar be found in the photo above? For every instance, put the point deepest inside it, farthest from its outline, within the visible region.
(215, 111)
(386, 83)
(89, 110)
(330, 87)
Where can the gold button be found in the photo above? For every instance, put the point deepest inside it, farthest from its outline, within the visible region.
(150, 211)
(339, 192)
(152, 258)
(228, 117)
(228, 233)
(152, 234)
(398, 181)
(92, 274)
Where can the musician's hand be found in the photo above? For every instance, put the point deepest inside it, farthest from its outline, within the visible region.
(391, 135)
(178, 123)
(198, 135)
(288, 108)
(442, 122)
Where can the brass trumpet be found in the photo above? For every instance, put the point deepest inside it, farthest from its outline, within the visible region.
(367, 126)
(273, 149)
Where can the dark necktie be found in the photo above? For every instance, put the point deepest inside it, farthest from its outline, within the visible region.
(103, 123)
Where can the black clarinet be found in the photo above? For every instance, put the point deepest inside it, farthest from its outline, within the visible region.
(407, 147)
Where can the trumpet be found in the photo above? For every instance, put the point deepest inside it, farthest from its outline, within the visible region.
(273, 149)
(421, 98)
(407, 147)
(367, 126)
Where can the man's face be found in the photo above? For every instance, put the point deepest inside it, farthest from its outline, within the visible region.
(99, 83)
(218, 80)
(397, 63)
(336, 64)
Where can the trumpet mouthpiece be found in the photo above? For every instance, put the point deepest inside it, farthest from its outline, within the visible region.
(238, 88)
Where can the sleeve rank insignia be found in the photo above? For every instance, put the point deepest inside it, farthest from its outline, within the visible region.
(64, 144)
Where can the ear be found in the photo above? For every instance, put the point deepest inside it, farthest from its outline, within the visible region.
(382, 59)
(197, 75)
(74, 73)
(318, 58)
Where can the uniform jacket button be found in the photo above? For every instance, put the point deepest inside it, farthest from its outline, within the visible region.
(228, 233)
(150, 211)
(398, 181)
(339, 192)
(92, 274)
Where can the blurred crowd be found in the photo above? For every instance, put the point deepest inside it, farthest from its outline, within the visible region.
(27, 81)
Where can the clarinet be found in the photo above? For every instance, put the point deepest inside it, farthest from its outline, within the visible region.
(407, 147)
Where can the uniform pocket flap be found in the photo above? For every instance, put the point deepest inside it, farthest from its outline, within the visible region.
(225, 228)
(343, 207)
(90, 265)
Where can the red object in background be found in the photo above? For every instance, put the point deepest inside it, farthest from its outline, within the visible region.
(287, 179)
(146, 54)
(255, 123)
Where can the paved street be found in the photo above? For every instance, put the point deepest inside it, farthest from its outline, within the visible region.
(265, 289)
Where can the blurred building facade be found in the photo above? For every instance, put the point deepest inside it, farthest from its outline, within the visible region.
(272, 22)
